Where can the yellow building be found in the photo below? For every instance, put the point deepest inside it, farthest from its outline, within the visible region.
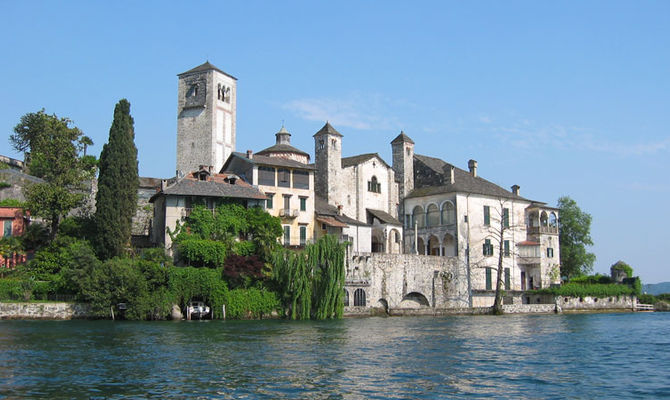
(283, 173)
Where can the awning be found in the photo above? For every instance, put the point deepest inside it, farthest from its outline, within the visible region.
(330, 221)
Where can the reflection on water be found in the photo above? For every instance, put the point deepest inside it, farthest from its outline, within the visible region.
(550, 356)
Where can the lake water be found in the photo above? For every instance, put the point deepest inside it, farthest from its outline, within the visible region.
(593, 356)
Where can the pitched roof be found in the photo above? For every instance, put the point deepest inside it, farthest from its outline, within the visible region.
(148, 183)
(402, 138)
(205, 67)
(282, 148)
(464, 182)
(211, 188)
(265, 160)
(361, 158)
(328, 128)
(322, 208)
(383, 217)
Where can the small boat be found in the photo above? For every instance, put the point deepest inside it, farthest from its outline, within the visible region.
(197, 310)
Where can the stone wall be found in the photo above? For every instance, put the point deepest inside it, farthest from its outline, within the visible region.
(529, 308)
(43, 310)
(568, 304)
(406, 281)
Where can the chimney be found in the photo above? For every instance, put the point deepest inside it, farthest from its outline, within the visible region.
(472, 165)
(451, 175)
(339, 209)
(211, 167)
(250, 154)
(163, 184)
(515, 189)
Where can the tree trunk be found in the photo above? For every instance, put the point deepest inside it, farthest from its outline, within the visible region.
(498, 304)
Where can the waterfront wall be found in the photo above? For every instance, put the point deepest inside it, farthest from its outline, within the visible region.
(43, 310)
(568, 304)
(405, 281)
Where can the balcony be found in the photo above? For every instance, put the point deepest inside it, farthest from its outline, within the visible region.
(288, 213)
(548, 230)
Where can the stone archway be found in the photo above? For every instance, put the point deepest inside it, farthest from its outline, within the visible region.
(434, 248)
(414, 300)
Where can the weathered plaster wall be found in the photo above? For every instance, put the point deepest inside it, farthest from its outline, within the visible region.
(43, 310)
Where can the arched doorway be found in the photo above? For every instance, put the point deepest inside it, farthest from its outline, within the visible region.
(434, 246)
(359, 298)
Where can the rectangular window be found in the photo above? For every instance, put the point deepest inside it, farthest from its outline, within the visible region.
(550, 252)
(488, 248)
(507, 282)
(266, 176)
(506, 244)
(284, 177)
(489, 280)
(301, 179)
(303, 235)
(268, 203)
(505, 217)
(287, 236)
(7, 229)
(287, 202)
(487, 215)
(303, 204)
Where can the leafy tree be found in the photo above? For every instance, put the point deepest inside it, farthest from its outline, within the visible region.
(53, 146)
(574, 236)
(116, 199)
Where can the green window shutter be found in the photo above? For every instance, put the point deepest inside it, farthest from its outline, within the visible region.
(506, 243)
(489, 281)
(268, 202)
(287, 236)
(507, 280)
(506, 217)
(303, 204)
(303, 235)
(487, 215)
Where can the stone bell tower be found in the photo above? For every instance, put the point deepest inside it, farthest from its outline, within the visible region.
(328, 162)
(206, 118)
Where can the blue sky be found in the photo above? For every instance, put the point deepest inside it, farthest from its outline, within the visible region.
(566, 98)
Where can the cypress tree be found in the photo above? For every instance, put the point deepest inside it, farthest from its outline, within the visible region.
(118, 181)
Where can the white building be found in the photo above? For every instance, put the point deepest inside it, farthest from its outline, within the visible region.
(449, 212)
(361, 188)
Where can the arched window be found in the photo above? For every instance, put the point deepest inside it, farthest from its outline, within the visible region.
(419, 217)
(433, 216)
(543, 219)
(218, 92)
(553, 221)
(374, 186)
(448, 213)
(346, 298)
(359, 298)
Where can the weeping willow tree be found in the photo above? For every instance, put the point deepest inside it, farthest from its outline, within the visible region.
(326, 258)
(311, 282)
(294, 278)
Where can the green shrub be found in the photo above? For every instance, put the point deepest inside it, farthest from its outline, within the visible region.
(202, 252)
(188, 283)
(587, 290)
(11, 289)
(12, 203)
(245, 248)
(250, 303)
(5, 185)
(647, 298)
(592, 279)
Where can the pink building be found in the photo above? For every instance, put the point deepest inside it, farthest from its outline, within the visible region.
(13, 222)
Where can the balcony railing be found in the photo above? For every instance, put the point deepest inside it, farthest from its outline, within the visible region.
(288, 213)
(551, 230)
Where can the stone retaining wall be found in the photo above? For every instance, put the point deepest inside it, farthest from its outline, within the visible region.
(43, 310)
(529, 308)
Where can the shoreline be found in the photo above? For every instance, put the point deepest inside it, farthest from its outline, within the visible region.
(28, 311)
